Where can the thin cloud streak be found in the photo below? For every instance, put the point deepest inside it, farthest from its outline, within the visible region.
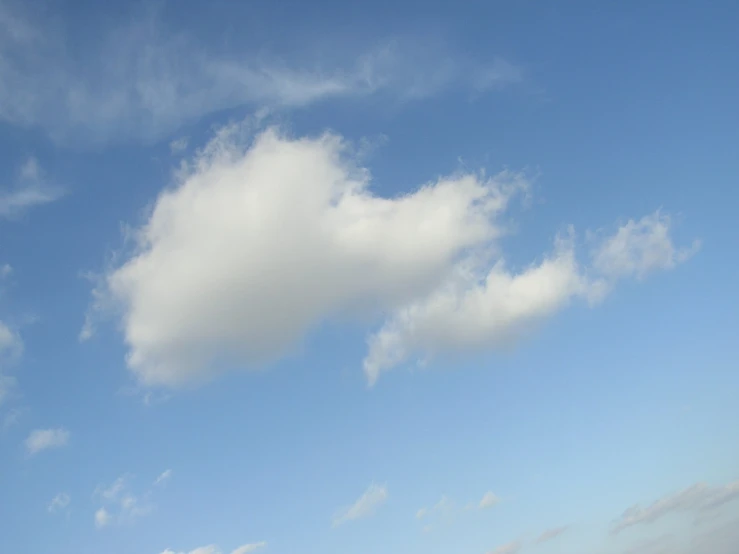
(145, 82)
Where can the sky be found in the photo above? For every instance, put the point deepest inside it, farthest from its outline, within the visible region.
(331, 277)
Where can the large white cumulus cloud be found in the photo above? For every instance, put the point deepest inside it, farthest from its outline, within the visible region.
(261, 240)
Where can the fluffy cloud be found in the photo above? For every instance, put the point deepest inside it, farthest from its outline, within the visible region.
(59, 502)
(264, 238)
(483, 307)
(367, 504)
(31, 189)
(212, 549)
(45, 439)
(639, 248)
(144, 80)
(698, 498)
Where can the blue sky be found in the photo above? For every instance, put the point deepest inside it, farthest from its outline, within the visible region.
(353, 278)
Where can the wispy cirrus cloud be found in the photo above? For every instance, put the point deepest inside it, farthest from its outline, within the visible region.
(145, 80)
(365, 506)
(488, 500)
(120, 504)
(163, 477)
(697, 499)
(31, 189)
(509, 548)
(249, 548)
(213, 549)
(60, 502)
(551, 534)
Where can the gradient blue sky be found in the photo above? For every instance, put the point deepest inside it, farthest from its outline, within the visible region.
(325, 277)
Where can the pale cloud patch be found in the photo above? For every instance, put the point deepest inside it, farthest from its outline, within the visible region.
(641, 247)
(249, 548)
(551, 534)
(444, 506)
(440, 513)
(721, 539)
(7, 383)
(11, 418)
(179, 145)
(59, 502)
(696, 499)
(11, 348)
(46, 439)
(366, 506)
(31, 189)
(120, 504)
(213, 282)
(102, 518)
(163, 477)
(213, 549)
(665, 544)
(509, 548)
(488, 500)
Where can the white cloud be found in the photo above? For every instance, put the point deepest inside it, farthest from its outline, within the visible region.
(509, 548)
(59, 502)
(262, 240)
(639, 248)
(145, 81)
(482, 306)
(374, 497)
(163, 477)
(697, 498)
(488, 500)
(213, 549)
(102, 518)
(5, 270)
(31, 189)
(44, 439)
